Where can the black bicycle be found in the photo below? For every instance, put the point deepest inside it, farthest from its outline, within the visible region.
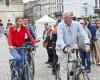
(77, 72)
(27, 69)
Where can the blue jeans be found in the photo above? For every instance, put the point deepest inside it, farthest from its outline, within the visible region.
(19, 55)
(86, 59)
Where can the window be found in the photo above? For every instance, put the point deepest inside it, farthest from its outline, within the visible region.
(85, 3)
(7, 2)
(96, 5)
(1, 0)
(99, 3)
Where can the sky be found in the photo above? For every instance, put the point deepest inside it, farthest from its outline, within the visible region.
(27, 0)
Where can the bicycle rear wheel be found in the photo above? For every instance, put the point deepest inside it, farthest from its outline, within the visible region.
(82, 75)
(57, 76)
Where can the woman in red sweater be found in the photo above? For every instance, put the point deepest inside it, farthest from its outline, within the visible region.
(16, 38)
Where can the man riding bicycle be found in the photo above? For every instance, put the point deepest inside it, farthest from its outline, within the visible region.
(67, 33)
(16, 38)
(30, 28)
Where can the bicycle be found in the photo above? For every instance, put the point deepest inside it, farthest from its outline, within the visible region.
(27, 69)
(77, 72)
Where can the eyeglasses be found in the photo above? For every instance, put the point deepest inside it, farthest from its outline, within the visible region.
(81, 23)
(98, 23)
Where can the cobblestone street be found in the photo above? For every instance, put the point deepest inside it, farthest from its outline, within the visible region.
(42, 71)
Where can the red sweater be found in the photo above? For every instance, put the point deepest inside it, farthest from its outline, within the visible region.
(16, 38)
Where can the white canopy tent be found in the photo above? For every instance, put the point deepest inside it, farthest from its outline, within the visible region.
(40, 24)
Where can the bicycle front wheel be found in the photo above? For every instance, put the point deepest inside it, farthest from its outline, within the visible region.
(82, 75)
(31, 68)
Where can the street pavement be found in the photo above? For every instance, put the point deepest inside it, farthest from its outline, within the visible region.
(42, 72)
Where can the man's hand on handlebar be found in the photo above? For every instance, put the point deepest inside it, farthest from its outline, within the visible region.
(68, 50)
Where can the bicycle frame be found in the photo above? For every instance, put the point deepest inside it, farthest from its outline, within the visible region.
(77, 67)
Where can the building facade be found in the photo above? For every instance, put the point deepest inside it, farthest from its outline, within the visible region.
(9, 9)
(53, 8)
(28, 11)
(45, 7)
(32, 10)
(80, 8)
(97, 7)
(59, 8)
(36, 10)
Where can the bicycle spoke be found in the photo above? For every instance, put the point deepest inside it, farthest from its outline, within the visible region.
(83, 76)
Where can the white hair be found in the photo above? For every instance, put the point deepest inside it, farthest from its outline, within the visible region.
(68, 13)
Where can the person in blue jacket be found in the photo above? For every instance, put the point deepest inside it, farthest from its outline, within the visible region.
(92, 27)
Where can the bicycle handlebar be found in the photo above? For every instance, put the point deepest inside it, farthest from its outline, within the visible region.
(77, 50)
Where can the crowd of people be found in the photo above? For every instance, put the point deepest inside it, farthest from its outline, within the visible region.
(86, 34)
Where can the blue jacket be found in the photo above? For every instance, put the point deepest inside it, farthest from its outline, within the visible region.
(92, 28)
(33, 33)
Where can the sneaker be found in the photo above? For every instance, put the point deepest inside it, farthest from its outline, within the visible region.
(47, 62)
(93, 62)
(53, 73)
(88, 70)
(98, 64)
(50, 66)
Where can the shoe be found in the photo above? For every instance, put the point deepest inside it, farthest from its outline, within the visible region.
(88, 70)
(53, 73)
(50, 66)
(93, 62)
(98, 64)
(47, 62)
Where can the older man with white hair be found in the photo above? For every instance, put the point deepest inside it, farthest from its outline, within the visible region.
(67, 33)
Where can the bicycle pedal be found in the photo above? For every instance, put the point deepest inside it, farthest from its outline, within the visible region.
(71, 73)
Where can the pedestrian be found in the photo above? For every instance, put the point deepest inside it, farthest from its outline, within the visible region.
(97, 42)
(7, 28)
(30, 27)
(92, 27)
(86, 57)
(9, 23)
(47, 42)
(55, 57)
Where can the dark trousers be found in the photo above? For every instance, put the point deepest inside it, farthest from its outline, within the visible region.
(86, 59)
(50, 55)
(54, 64)
(55, 59)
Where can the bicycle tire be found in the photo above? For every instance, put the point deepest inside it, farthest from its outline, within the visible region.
(68, 75)
(30, 75)
(31, 67)
(14, 73)
(57, 75)
(82, 73)
(25, 73)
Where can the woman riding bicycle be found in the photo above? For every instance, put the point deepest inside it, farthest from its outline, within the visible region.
(16, 38)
